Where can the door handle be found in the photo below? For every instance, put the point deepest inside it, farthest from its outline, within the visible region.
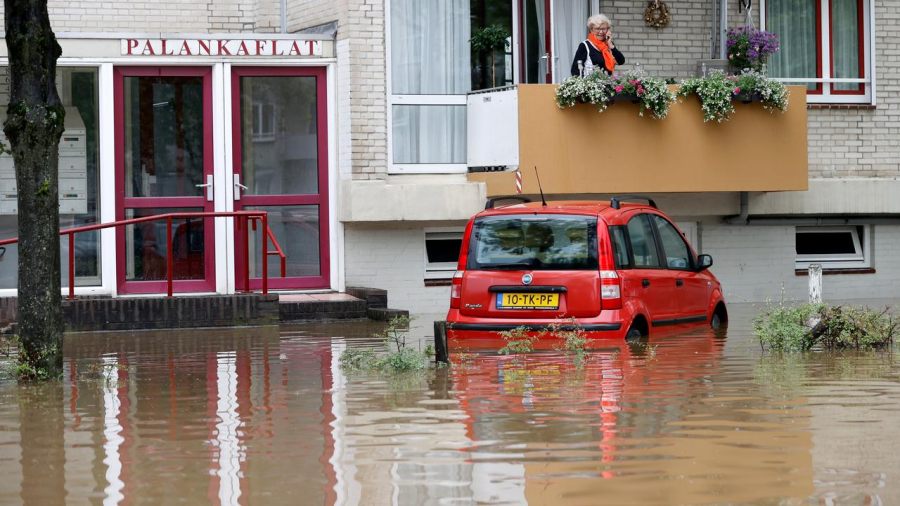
(645, 283)
(679, 282)
(238, 187)
(209, 187)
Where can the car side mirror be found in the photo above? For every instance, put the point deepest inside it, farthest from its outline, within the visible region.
(704, 262)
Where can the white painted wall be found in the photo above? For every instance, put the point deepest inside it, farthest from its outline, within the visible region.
(752, 262)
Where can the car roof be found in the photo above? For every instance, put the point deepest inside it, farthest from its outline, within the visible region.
(600, 208)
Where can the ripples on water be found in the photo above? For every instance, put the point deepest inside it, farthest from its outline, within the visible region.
(266, 416)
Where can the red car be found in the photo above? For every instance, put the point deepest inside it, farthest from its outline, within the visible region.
(616, 270)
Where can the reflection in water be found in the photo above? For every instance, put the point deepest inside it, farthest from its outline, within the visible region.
(267, 416)
(230, 453)
(112, 429)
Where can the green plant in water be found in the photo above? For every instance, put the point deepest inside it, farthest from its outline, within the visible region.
(800, 328)
(786, 328)
(574, 340)
(399, 358)
(857, 328)
(518, 340)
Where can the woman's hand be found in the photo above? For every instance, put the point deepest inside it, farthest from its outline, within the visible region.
(609, 38)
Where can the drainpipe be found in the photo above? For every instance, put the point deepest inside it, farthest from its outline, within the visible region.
(283, 7)
(743, 218)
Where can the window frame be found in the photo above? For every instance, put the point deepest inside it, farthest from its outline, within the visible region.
(440, 270)
(825, 92)
(679, 235)
(267, 129)
(400, 99)
(860, 259)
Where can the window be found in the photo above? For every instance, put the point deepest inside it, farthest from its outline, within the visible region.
(536, 242)
(825, 44)
(441, 253)
(432, 68)
(643, 244)
(833, 247)
(79, 178)
(678, 255)
(263, 122)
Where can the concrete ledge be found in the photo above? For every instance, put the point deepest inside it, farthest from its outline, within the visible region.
(385, 314)
(411, 198)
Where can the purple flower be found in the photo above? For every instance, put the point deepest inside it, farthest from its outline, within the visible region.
(737, 90)
(640, 90)
(619, 89)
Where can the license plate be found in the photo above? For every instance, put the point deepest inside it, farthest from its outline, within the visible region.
(527, 300)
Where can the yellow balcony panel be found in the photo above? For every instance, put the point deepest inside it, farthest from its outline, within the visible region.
(580, 151)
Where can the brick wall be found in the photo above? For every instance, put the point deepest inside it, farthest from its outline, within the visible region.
(220, 16)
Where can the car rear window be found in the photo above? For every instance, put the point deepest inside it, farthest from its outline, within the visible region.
(535, 242)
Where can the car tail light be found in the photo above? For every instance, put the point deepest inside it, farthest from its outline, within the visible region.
(456, 289)
(610, 290)
(610, 284)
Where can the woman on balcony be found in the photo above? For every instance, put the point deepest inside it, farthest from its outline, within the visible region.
(598, 51)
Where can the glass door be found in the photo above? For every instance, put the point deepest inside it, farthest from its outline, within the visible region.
(164, 164)
(549, 34)
(280, 166)
(536, 44)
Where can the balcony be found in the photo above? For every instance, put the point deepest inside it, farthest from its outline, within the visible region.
(581, 151)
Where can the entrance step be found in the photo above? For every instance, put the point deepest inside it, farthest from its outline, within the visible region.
(193, 311)
(131, 313)
(320, 306)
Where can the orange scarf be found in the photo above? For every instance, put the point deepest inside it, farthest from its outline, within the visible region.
(603, 47)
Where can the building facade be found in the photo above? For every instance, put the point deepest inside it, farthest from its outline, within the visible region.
(348, 121)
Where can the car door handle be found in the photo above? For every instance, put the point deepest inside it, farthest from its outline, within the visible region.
(679, 282)
(645, 283)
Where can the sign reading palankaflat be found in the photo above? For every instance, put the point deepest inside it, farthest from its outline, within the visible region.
(222, 47)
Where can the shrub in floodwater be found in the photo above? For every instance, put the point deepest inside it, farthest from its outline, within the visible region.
(574, 341)
(800, 328)
(399, 357)
(518, 340)
(857, 328)
(786, 328)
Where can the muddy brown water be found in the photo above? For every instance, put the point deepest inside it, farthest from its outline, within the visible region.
(267, 416)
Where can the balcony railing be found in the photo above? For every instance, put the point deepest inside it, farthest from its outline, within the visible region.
(581, 151)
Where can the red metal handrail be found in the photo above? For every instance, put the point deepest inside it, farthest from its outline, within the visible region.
(247, 218)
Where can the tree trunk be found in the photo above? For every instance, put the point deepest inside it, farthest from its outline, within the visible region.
(34, 124)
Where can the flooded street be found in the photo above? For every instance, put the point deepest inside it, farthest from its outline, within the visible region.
(267, 416)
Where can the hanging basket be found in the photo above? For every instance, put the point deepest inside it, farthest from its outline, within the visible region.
(656, 15)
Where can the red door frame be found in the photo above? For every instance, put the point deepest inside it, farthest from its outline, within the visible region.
(208, 283)
(320, 199)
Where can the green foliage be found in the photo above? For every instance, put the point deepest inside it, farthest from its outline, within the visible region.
(518, 340)
(357, 359)
(400, 358)
(489, 39)
(599, 89)
(394, 335)
(717, 91)
(574, 341)
(800, 328)
(714, 91)
(857, 328)
(751, 84)
(786, 328)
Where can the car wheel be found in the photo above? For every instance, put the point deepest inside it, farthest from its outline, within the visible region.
(716, 321)
(633, 334)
